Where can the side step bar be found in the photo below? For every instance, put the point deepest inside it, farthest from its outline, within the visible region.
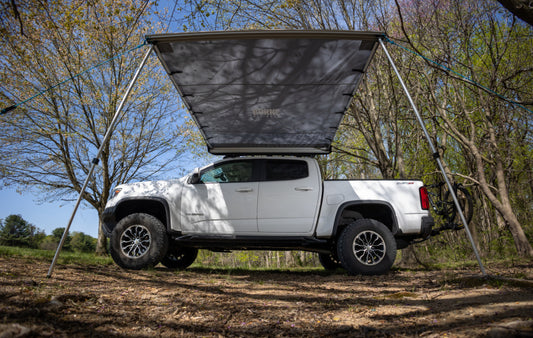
(231, 242)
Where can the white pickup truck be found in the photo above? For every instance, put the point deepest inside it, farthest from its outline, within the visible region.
(266, 203)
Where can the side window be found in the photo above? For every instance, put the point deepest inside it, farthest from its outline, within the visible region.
(282, 170)
(228, 172)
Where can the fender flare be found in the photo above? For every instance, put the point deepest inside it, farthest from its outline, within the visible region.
(394, 228)
(160, 200)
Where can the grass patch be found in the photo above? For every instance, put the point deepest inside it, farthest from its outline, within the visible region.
(242, 268)
(65, 257)
(436, 262)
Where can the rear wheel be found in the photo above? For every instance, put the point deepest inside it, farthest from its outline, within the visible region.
(138, 241)
(366, 247)
(179, 258)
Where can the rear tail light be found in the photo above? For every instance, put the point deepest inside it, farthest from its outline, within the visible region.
(424, 199)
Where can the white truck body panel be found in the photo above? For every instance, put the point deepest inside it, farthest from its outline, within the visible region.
(300, 207)
(219, 208)
(291, 206)
(402, 196)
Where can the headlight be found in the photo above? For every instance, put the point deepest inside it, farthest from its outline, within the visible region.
(115, 193)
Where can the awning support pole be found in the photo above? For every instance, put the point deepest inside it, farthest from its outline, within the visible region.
(437, 158)
(96, 159)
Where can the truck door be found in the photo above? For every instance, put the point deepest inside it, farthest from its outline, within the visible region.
(224, 201)
(288, 197)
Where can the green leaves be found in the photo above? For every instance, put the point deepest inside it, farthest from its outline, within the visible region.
(16, 231)
(48, 142)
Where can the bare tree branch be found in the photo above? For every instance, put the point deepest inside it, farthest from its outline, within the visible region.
(523, 9)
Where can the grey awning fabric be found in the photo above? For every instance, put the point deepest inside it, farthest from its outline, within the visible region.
(266, 92)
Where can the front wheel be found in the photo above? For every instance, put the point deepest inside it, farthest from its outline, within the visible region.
(138, 241)
(329, 261)
(179, 258)
(366, 247)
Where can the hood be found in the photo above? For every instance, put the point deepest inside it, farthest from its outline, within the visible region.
(165, 189)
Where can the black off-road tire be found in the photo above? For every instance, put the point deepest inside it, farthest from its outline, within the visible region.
(329, 261)
(179, 258)
(138, 241)
(366, 247)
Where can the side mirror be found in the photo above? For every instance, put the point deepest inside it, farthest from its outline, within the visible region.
(195, 176)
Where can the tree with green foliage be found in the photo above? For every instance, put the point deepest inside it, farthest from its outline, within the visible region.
(490, 133)
(49, 142)
(81, 242)
(16, 231)
(57, 234)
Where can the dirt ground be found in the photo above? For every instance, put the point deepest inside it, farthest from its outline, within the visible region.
(81, 301)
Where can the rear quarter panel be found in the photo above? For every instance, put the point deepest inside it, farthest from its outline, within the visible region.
(402, 195)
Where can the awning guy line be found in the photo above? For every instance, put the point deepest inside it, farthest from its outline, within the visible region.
(464, 77)
(10, 108)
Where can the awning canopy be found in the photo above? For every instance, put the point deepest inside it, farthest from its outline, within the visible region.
(266, 92)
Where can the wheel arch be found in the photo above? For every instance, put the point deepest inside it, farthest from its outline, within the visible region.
(378, 210)
(154, 206)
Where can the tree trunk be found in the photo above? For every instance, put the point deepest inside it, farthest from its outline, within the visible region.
(101, 244)
(520, 239)
(500, 200)
(504, 207)
(408, 258)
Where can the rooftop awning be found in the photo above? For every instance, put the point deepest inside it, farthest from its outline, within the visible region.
(266, 92)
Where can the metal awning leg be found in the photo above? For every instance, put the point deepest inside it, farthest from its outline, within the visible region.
(437, 158)
(96, 159)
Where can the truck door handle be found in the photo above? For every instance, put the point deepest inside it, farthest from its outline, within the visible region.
(303, 188)
(246, 189)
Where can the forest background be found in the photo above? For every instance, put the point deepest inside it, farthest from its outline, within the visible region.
(473, 87)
